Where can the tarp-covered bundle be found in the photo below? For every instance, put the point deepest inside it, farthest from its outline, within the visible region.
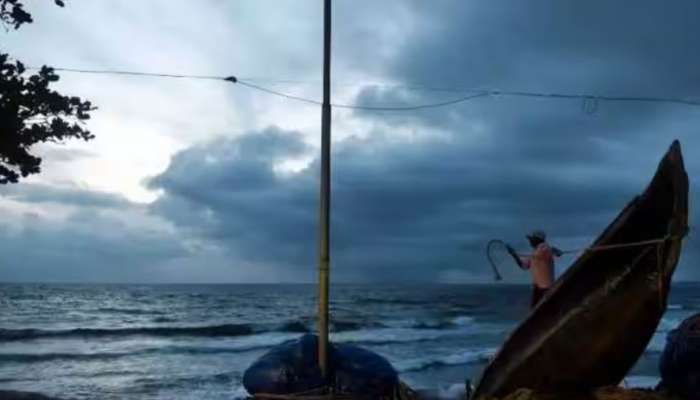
(292, 368)
(680, 361)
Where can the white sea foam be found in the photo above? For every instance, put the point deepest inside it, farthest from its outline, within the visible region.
(259, 341)
(463, 321)
(392, 335)
(640, 381)
(240, 393)
(452, 392)
(459, 358)
(400, 331)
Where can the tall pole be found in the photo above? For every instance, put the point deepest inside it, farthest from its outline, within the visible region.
(324, 214)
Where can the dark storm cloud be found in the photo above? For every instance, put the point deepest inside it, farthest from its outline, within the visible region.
(422, 209)
(594, 46)
(73, 234)
(88, 246)
(418, 206)
(228, 190)
(544, 46)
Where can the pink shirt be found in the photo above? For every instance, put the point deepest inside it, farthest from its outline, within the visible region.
(541, 266)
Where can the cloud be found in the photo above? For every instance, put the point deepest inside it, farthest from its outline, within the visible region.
(64, 195)
(416, 195)
(593, 160)
(414, 211)
(70, 234)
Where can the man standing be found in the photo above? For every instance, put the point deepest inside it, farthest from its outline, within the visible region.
(540, 263)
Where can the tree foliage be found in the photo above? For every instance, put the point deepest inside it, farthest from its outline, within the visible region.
(12, 13)
(30, 111)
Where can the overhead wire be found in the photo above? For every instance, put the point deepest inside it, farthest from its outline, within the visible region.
(472, 94)
(276, 93)
(132, 73)
(411, 108)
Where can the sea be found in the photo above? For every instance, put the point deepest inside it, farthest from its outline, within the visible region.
(95, 341)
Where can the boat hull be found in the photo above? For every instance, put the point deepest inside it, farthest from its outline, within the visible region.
(598, 318)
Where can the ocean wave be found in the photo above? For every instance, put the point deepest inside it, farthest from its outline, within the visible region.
(161, 383)
(222, 330)
(451, 323)
(239, 345)
(242, 344)
(379, 300)
(461, 358)
(294, 326)
(12, 394)
(240, 393)
(392, 335)
(433, 325)
(666, 325)
(656, 344)
(348, 325)
(208, 331)
(668, 322)
(161, 320)
(348, 329)
(640, 381)
(463, 321)
(128, 311)
(42, 357)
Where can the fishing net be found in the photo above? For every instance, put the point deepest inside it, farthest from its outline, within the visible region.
(498, 256)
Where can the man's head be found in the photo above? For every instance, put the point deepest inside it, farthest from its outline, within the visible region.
(536, 237)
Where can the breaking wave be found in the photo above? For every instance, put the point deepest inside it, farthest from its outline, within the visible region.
(461, 358)
(208, 331)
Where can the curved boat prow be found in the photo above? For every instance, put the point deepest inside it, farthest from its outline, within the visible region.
(598, 318)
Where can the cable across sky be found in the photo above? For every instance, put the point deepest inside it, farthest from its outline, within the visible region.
(468, 94)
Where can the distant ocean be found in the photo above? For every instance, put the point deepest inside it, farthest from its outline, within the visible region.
(195, 341)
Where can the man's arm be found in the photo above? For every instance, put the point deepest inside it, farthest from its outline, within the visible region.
(523, 262)
(557, 252)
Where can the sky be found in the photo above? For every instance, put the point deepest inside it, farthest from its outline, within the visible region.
(206, 181)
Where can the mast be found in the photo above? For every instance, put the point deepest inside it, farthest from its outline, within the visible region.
(325, 197)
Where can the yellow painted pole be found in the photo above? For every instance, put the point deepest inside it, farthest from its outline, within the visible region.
(325, 195)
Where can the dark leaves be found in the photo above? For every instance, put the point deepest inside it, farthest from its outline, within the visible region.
(30, 113)
(12, 13)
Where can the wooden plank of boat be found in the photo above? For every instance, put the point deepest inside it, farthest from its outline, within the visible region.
(598, 318)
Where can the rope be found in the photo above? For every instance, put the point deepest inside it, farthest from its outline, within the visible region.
(619, 245)
(411, 108)
(131, 73)
(659, 256)
(590, 101)
(276, 93)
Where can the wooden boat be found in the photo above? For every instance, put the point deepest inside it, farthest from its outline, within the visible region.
(598, 318)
